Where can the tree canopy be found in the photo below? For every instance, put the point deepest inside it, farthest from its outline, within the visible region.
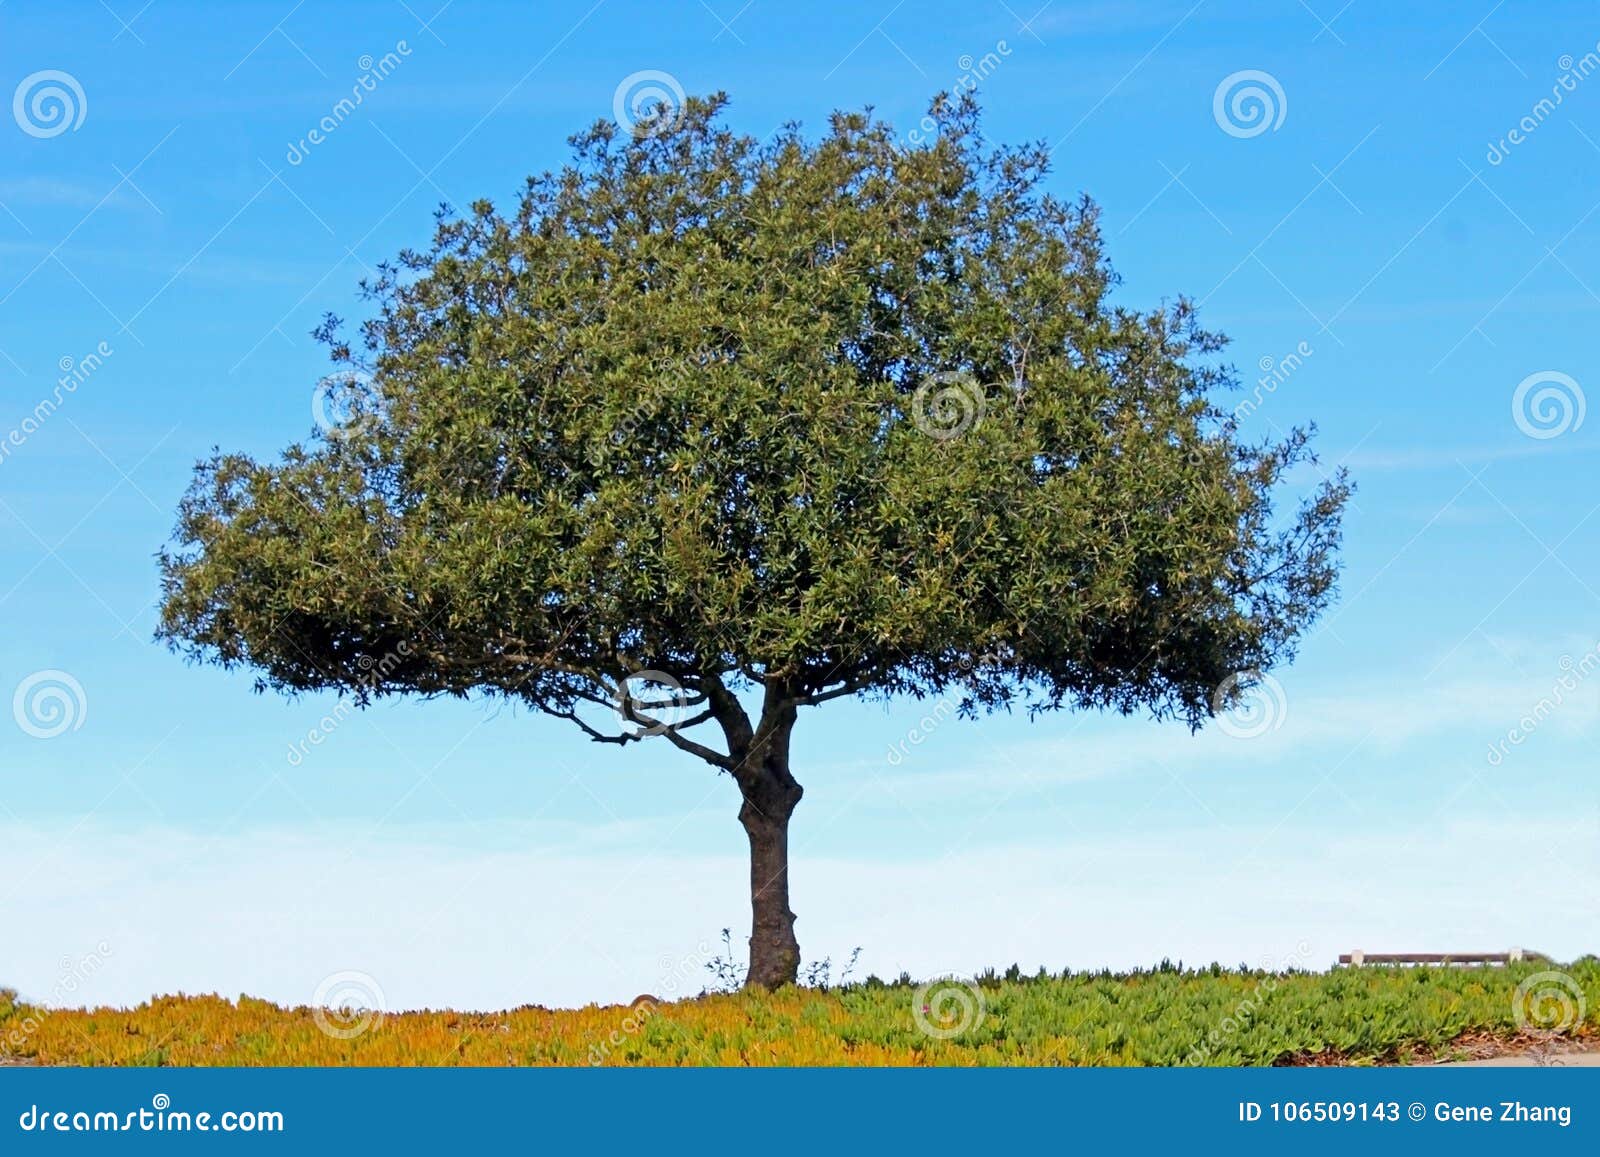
(706, 429)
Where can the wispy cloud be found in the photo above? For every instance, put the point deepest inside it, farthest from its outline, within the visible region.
(1444, 457)
(68, 194)
(272, 913)
(1381, 718)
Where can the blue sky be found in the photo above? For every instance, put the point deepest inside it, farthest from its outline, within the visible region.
(1379, 222)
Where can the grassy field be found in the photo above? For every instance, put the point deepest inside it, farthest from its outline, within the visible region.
(1161, 1017)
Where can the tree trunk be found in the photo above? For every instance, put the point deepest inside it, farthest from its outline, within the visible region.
(770, 795)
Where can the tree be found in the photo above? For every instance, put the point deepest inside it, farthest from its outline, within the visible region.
(708, 431)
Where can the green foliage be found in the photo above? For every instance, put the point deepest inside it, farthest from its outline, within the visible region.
(821, 417)
(802, 418)
(1162, 1016)
(726, 971)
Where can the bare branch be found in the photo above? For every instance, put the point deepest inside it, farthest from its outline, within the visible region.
(710, 755)
(592, 733)
(849, 687)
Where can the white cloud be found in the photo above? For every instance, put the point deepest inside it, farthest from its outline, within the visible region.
(1382, 718)
(273, 913)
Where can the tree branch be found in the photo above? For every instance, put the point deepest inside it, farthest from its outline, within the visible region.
(730, 713)
(655, 727)
(592, 733)
(709, 754)
(849, 687)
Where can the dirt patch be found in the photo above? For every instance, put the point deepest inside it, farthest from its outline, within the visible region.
(1469, 1046)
